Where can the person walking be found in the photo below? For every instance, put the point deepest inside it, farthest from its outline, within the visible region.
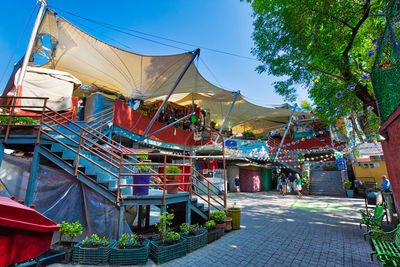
(283, 180)
(298, 186)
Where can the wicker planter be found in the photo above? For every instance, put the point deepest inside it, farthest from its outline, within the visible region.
(161, 254)
(214, 234)
(196, 241)
(129, 256)
(82, 255)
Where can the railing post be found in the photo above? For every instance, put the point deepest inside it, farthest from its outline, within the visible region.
(41, 120)
(208, 196)
(78, 153)
(119, 175)
(165, 178)
(10, 119)
(190, 177)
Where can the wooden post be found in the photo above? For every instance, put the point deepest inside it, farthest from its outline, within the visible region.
(119, 175)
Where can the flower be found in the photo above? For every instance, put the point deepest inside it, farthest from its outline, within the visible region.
(339, 94)
(351, 87)
(360, 113)
(329, 102)
(371, 53)
(319, 107)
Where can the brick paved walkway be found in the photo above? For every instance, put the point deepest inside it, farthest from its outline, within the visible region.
(287, 231)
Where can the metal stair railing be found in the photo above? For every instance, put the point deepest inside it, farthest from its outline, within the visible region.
(99, 120)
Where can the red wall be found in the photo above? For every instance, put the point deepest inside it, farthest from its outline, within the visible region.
(131, 120)
(391, 149)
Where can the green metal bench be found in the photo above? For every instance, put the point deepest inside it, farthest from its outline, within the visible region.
(372, 221)
(386, 246)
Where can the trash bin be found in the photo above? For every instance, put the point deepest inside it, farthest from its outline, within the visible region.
(24, 232)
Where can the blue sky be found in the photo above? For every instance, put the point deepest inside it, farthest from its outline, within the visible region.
(222, 25)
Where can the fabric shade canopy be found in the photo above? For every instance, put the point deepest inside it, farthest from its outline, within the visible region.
(147, 77)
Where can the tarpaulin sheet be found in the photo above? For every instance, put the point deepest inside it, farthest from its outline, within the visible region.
(60, 197)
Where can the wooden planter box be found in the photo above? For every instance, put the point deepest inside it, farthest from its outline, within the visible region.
(161, 254)
(196, 241)
(99, 255)
(214, 235)
(129, 256)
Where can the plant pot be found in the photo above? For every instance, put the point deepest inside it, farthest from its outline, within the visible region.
(129, 256)
(234, 213)
(350, 192)
(222, 227)
(82, 255)
(214, 234)
(228, 224)
(142, 179)
(172, 189)
(66, 247)
(196, 241)
(161, 254)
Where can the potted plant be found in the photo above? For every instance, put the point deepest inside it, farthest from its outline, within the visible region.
(228, 224)
(93, 250)
(305, 183)
(171, 245)
(68, 231)
(196, 237)
(142, 179)
(130, 249)
(234, 213)
(347, 186)
(172, 189)
(213, 232)
(219, 218)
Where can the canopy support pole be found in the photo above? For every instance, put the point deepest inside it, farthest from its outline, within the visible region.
(29, 48)
(169, 125)
(227, 115)
(195, 54)
(286, 130)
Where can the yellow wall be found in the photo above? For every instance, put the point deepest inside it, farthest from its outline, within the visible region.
(370, 174)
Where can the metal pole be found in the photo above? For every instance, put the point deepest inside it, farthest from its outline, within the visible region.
(287, 128)
(227, 115)
(169, 125)
(30, 46)
(195, 54)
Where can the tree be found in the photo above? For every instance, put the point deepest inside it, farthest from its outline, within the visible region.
(306, 105)
(326, 46)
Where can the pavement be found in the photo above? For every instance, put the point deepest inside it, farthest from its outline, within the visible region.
(288, 231)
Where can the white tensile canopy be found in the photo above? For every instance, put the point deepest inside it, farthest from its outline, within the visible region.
(148, 77)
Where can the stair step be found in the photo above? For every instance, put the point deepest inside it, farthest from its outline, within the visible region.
(194, 200)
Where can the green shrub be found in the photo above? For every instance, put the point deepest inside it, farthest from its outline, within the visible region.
(172, 237)
(184, 227)
(165, 221)
(124, 239)
(218, 216)
(18, 120)
(96, 240)
(70, 230)
(172, 169)
(209, 225)
(143, 158)
(305, 180)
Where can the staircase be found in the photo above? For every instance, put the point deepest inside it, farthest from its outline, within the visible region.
(327, 183)
(83, 150)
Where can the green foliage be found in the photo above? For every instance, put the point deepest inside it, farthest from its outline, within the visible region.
(306, 105)
(347, 184)
(184, 227)
(323, 46)
(163, 227)
(124, 239)
(209, 225)
(305, 180)
(172, 237)
(194, 228)
(71, 230)
(233, 205)
(218, 216)
(143, 158)
(249, 135)
(172, 169)
(18, 120)
(96, 240)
